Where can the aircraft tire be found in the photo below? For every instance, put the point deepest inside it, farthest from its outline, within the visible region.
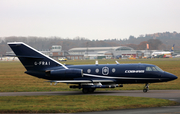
(145, 90)
(85, 90)
(91, 90)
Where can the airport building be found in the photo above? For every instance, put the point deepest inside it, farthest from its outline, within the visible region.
(56, 52)
(81, 53)
(101, 52)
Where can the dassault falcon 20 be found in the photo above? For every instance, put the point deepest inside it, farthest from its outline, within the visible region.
(88, 77)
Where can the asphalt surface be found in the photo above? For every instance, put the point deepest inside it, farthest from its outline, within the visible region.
(173, 95)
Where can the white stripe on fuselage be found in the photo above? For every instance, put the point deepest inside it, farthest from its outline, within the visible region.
(111, 77)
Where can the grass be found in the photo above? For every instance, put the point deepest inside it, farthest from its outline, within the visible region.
(13, 78)
(75, 103)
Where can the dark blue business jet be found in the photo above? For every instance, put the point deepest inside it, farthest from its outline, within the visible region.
(88, 77)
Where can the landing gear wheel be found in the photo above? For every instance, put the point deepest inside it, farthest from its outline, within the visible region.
(85, 90)
(88, 90)
(145, 90)
(91, 90)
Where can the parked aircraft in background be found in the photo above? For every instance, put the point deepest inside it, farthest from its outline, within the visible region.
(88, 77)
(166, 54)
(178, 55)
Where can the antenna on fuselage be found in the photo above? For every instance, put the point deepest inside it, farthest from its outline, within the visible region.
(117, 62)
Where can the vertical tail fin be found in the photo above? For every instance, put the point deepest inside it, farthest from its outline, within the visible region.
(172, 49)
(32, 59)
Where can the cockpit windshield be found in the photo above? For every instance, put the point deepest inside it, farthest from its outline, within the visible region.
(159, 69)
(148, 69)
(154, 68)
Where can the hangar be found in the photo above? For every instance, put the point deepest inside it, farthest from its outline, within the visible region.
(101, 52)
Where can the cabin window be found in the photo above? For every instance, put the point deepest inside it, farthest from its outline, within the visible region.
(97, 70)
(148, 69)
(89, 70)
(113, 70)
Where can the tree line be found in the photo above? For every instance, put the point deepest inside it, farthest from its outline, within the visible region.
(157, 41)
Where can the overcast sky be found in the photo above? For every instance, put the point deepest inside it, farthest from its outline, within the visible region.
(92, 19)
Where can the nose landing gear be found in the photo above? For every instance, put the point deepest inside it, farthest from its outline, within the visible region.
(146, 88)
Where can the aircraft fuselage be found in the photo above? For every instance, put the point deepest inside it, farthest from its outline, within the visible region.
(120, 73)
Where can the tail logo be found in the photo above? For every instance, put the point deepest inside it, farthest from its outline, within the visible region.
(41, 63)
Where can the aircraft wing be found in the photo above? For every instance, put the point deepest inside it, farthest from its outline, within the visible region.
(80, 81)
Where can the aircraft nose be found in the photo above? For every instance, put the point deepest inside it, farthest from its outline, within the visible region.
(170, 76)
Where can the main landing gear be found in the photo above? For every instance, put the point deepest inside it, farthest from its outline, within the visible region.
(146, 88)
(88, 90)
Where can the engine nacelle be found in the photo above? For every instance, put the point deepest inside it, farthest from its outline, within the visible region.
(66, 73)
